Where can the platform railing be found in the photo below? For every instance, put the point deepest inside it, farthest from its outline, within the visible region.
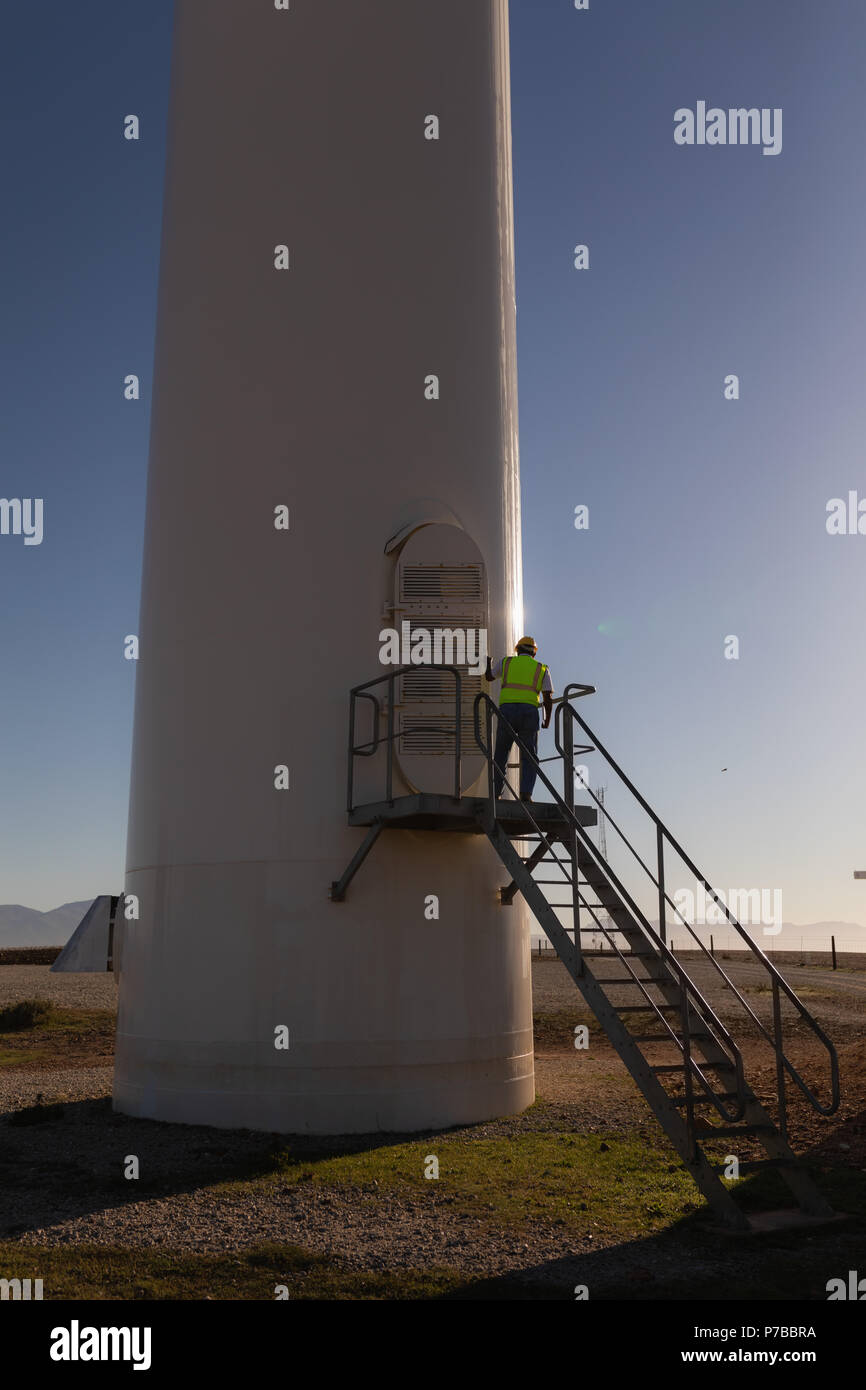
(371, 746)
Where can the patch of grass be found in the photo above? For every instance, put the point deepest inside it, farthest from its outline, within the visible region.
(783, 1271)
(84, 1023)
(25, 1013)
(585, 1183)
(34, 1033)
(99, 1272)
(11, 1057)
(555, 1030)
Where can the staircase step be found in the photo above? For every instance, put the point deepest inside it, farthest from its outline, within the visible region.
(649, 1007)
(705, 1100)
(704, 1066)
(664, 1037)
(630, 980)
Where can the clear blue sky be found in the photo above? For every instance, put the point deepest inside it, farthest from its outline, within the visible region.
(707, 517)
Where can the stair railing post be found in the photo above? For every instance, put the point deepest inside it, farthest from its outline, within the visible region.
(660, 853)
(491, 799)
(568, 760)
(687, 1061)
(568, 789)
(780, 1063)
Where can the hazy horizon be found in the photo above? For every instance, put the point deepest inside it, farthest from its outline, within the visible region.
(812, 936)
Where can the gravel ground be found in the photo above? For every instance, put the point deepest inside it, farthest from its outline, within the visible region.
(83, 1198)
(384, 1232)
(69, 991)
(362, 1231)
(19, 1089)
(835, 997)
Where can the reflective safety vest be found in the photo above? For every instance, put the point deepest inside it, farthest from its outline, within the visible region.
(521, 681)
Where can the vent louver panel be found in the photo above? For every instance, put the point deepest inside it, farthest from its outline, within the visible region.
(449, 583)
(447, 651)
(432, 734)
(438, 685)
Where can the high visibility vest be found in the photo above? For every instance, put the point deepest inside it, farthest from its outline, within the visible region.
(521, 681)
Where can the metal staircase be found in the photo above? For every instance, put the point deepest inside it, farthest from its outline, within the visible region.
(680, 1054)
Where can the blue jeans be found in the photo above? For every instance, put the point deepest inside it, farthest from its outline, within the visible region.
(516, 719)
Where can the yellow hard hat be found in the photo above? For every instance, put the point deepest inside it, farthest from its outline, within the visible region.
(527, 642)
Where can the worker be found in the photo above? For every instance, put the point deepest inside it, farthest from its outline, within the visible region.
(526, 683)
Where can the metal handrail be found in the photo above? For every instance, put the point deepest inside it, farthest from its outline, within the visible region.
(366, 750)
(708, 1014)
(778, 981)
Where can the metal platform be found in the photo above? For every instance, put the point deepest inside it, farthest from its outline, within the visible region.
(429, 811)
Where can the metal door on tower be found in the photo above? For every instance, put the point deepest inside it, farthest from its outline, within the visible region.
(440, 593)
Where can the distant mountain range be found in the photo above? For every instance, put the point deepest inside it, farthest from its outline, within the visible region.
(24, 926)
(816, 933)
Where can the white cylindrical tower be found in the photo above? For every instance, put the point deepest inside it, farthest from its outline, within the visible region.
(364, 379)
